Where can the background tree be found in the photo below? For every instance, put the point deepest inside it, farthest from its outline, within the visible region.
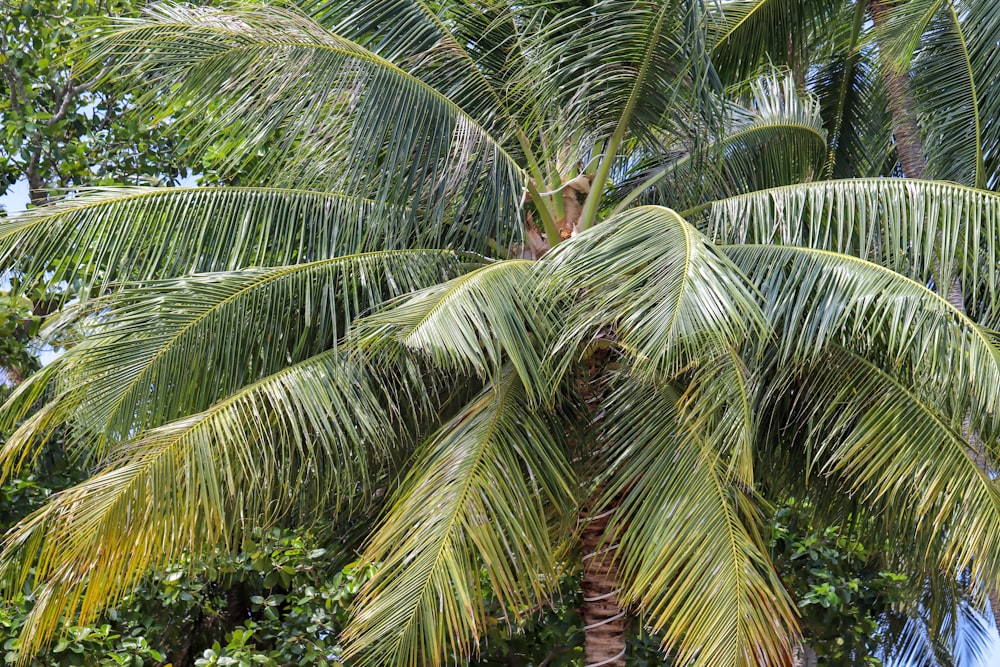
(915, 71)
(59, 132)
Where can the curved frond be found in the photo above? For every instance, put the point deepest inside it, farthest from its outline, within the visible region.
(474, 509)
(280, 100)
(651, 283)
(720, 403)
(171, 348)
(912, 227)
(950, 46)
(465, 49)
(892, 445)
(614, 75)
(772, 136)
(312, 435)
(477, 322)
(779, 139)
(689, 553)
(747, 34)
(104, 237)
(815, 298)
(856, 115)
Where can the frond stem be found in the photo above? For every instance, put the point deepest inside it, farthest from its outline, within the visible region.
(980, 177)
(548, 221)
(589, 214)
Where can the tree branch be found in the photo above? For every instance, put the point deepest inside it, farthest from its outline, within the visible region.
(72, 92)
(36, 184)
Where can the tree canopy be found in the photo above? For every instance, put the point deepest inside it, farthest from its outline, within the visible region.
(511, 286)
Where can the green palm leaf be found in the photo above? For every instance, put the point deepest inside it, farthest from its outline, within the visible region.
(104, 237)
(892, 445)
(219, 331)
(856, 115)
(638, 58)
(912, 227)
(474, 508)
(747, 34)
(650, 282)
(721, 404)
(777, 139)
(815, 298)
(951, 47)
(460, 48)
(475, 323)
(313, 435)
(773, 135)
(651, 55)
(284, 101)
(689, 553)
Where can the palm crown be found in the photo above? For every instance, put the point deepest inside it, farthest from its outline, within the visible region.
(445, 291)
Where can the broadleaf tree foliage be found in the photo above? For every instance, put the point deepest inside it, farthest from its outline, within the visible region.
(513, 284)
(59, 131)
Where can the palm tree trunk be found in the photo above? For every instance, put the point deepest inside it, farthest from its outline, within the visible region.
(804, 657)
(605, 622)
(905, 131)
(911, 158)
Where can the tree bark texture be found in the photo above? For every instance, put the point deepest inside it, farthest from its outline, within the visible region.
(605, 622)
(804, 657)
(906, 132)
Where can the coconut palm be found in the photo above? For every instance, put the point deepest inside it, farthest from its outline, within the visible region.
(918, 67)
(916, 71)
(444, 294)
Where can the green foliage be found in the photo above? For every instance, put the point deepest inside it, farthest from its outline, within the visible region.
(842, 591)
(620, 361)
(55, 130)
(277, 602)
(18, 325)
(282, 599)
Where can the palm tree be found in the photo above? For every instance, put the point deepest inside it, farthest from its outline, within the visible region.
(444, 295)
(917, 71)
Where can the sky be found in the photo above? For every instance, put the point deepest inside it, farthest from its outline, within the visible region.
(16, 198)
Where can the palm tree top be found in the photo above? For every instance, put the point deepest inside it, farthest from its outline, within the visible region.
(444, 290)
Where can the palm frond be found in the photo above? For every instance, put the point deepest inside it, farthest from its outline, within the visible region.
(912, 227)
(474, 509)
(773, 135)
(465, 49)
(689, 553)
(720, 404)
(314, 435)
(105, 237)
(748, 34)
(815, 298)
(779, 139)
(476, 323)
(167, 349)
(284, 101)
(892, 445)
(961, 636)
(651, 283)
(951, 119)
(639, 56)
(951, 49)
(650, 55)
(856, 115)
